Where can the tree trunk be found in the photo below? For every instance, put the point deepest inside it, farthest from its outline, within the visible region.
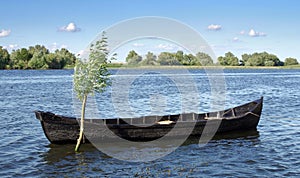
(81, 123)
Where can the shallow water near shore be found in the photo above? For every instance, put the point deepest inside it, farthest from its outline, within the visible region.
(271, 151)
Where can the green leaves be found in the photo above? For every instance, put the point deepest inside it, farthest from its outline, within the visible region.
(229, 60)
(260, 59)
(168, 58)
(290, 61)
(4, 58)
(133, 58)
(91, 75)
(36, 57)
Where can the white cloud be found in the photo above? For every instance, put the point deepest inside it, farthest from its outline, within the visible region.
(165, 46)
(54, 46)
(11, 46)
(254, 33)
(138, 45)
(214, 27)
(242, 32)
(63, 46)
(236, 39)
(4, 33)
(71, 27)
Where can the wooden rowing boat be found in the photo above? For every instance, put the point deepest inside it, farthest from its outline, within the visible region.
(62, 129)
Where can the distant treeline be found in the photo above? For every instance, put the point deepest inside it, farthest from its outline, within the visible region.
(39, 57)
(36, 57)
(203, 59)
(167, 58)
(255, 59)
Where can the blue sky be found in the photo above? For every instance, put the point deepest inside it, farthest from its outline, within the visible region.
(231, 25)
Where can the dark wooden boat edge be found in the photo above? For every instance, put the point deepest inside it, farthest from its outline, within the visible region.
(62, 129)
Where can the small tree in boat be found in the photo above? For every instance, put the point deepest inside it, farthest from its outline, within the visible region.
(91, 75)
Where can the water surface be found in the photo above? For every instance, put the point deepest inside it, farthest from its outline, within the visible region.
(272, 151)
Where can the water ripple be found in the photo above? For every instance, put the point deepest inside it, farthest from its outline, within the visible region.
(273, 151)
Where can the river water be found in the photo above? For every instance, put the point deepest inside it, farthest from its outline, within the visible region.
(271, 151)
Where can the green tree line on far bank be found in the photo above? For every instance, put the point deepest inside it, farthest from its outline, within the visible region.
(255, 59)
(168, 58)
(36, 57)
(203, 59)
(39, 57)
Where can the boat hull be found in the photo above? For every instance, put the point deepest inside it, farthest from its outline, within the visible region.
(61, 129)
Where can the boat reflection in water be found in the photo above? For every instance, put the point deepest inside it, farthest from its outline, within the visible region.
(58, 152)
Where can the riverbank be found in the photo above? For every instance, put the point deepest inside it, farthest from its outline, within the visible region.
(120, 66)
